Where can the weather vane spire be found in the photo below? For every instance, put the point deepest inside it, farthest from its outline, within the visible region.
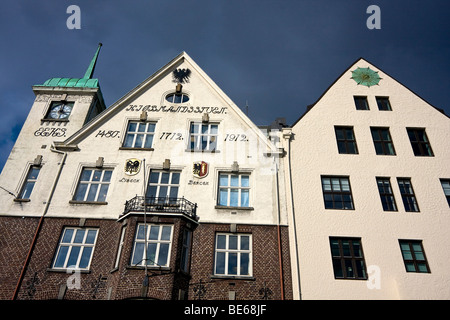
(90, 70)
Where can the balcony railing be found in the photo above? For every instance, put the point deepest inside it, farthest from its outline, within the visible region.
(161, 204)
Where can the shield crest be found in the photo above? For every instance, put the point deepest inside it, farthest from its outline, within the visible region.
(200, 169)
(132, 166)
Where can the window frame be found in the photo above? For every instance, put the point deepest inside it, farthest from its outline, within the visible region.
(186, 245)
(346, 141)
(177, 94)
(196, 138)
(414, 260)
(334, 193)
(385, 150)
(423, 148)
(341, 259)
(27, 181)
(391, 205)
(408, 197)
(382, 105)
(229, 189)
(146, 135)
(120, 246)
(358, 99)
(71, 245)
(159, 184)
(158, 242)
(90, 183)
(446, 190)
(239, 254)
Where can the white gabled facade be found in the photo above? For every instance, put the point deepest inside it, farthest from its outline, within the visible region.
(238, 141)
(315, 162)
(205, 169)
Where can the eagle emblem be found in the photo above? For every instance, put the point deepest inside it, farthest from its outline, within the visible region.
(132, 166)
(181, 75)
(200, 169)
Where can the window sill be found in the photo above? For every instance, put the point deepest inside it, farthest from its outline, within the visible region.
(224, 277)
(205, 151)
(148, 267)
(136, 149)
(88, 202)
(21, 200)
(234, 208)
(55, 120)
(68, 270)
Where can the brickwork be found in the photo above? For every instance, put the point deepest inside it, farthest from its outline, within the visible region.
(16, 235)
(103, 281)
(266, 266)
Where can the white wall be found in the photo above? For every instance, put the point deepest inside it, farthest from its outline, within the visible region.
(314, 153)
(248, 152)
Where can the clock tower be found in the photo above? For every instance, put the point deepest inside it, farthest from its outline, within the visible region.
(63, 105)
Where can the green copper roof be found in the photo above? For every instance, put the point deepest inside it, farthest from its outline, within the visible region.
(71, 83)
(86, 82)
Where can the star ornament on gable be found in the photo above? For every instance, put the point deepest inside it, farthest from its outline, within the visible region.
(365, 76)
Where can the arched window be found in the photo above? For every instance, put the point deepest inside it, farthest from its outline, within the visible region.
(177, 98)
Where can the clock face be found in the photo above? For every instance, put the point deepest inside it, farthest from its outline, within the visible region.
(60, 110)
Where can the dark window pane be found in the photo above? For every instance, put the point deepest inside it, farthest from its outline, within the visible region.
(337, 266)
(220, 263)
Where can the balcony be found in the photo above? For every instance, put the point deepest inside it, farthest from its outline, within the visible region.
(161, 205)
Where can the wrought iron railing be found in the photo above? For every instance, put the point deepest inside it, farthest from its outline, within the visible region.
(161, 204)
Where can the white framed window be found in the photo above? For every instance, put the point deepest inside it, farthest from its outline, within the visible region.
(234, 190)
(139, 135)
(233, 255)
(29, 182)
(159, 242)
(163, 185)
(177, 98)
(93, 185)
(119, 249)
(75, 248)
(203, 136)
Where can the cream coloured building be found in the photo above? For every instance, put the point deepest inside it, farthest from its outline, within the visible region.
(169, 193)
(369, 169)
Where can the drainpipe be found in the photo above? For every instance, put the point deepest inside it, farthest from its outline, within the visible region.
(41, 220)
(280, 260)
(294, 226)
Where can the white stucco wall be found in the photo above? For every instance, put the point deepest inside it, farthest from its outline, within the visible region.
(248, 151)
(314, 153)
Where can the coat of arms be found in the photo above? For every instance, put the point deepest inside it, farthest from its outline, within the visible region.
(200, 169)
(132, 166)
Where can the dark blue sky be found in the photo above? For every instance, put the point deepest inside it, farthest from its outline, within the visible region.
(279, 55)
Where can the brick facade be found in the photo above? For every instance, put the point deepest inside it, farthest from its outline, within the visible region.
(266, 264)
(104, 282)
